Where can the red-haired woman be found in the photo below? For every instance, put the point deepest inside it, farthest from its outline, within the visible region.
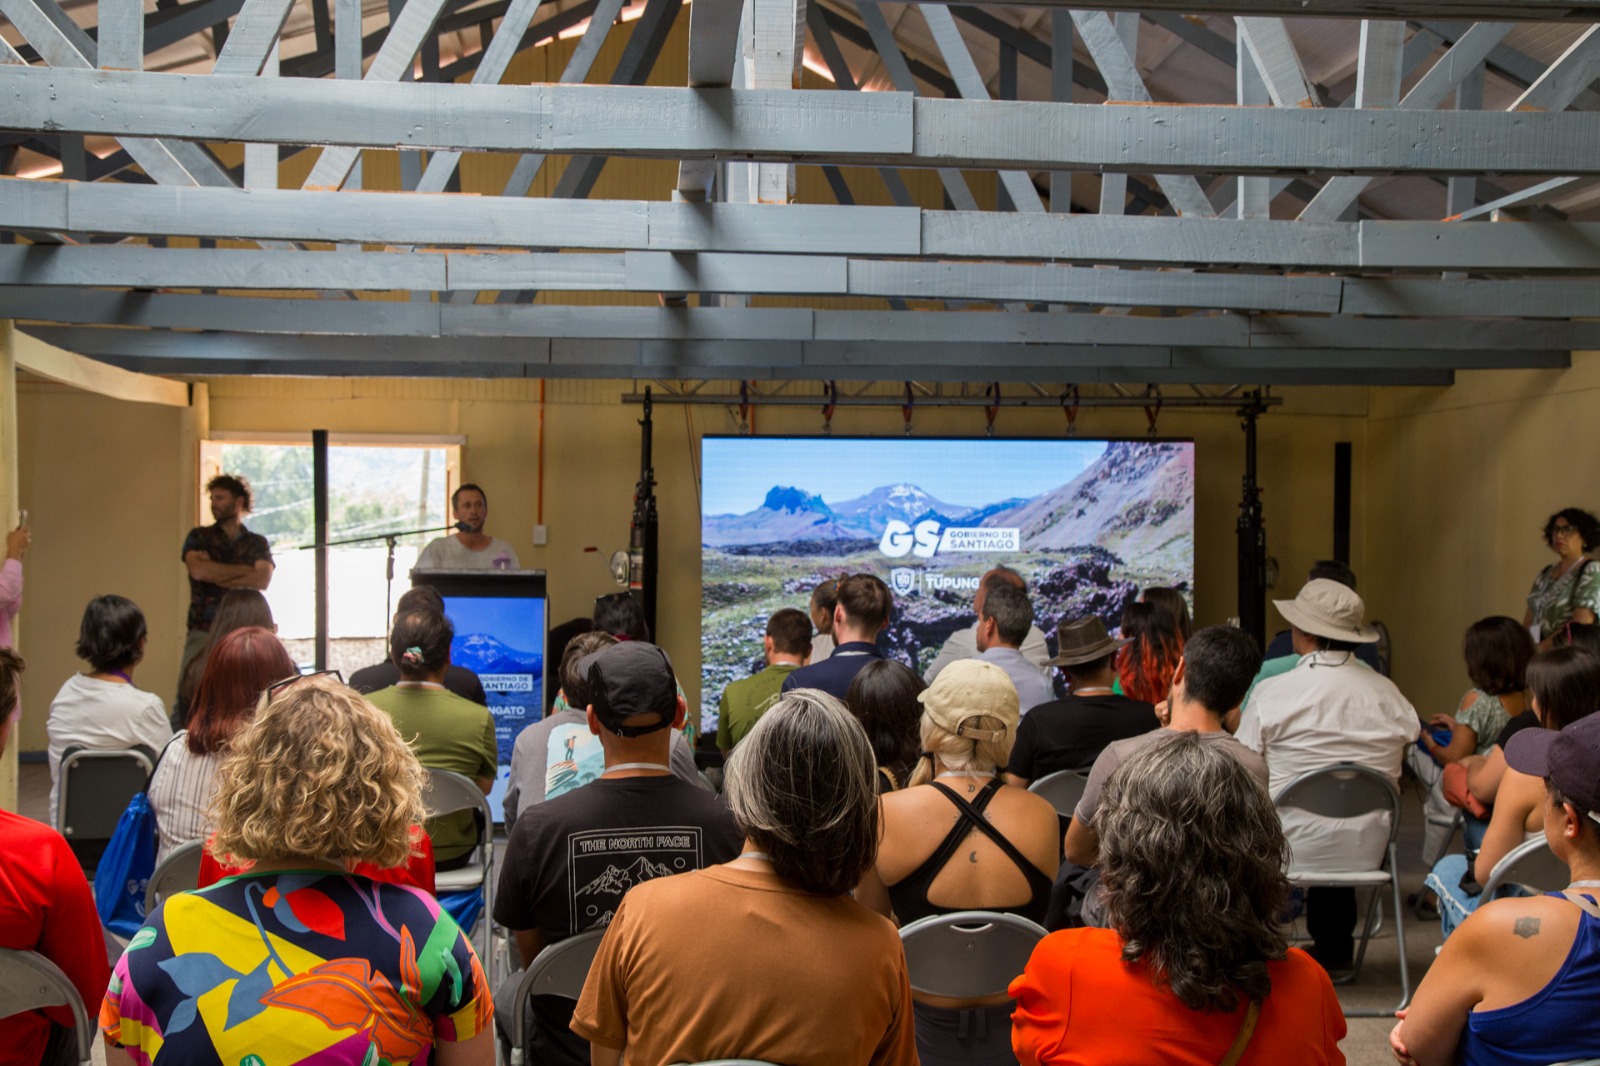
(238, 670)
(1145, 664)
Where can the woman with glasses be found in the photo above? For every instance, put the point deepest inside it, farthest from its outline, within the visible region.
(299, 960)
(1569, 588)
(234, 676)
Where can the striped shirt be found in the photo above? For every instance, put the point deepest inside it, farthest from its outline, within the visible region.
(180, 793)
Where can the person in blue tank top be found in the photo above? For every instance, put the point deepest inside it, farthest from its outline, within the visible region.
(1518, 982)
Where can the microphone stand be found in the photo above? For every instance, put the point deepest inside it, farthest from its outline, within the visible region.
(391, 539)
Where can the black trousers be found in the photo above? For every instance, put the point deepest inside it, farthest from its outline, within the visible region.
(1331, 921)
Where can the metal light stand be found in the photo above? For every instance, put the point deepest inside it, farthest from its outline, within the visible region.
(1252, 532)
(644, 531)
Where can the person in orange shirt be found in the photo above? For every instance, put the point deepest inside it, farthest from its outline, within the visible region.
(1195, 969)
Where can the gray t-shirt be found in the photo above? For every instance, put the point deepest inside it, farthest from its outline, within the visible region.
(448, 553)
(557, 754)
(1119, 751)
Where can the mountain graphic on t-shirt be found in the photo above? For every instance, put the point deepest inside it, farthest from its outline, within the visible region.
(615, 880)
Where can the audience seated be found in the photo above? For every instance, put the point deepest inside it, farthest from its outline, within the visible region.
(45, 906)
(237, 609)
(555, 643)
(1497, 650)
(1171, 602)
(1070, 733)
(1280, 656)
(963, 643)
(823, 599)
(457, 679)
(999, 855)
(299, 960)
(1565, 687)
(102, 709)
(1211, 679)
(1004, 621)
(785, 648)
(1329, 709)
(546, 760)
(884, 699)
(571, 858)
(446, 731)
(862, 612)
(1518, 982)
(676, 980)
(1147, 659)
(1195, 948)
(236, 674)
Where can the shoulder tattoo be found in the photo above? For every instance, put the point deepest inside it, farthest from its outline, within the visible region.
(1526, 927)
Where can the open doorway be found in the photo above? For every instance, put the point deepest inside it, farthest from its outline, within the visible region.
(376, 485)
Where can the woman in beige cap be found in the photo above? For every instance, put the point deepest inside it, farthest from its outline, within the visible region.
(959, 838)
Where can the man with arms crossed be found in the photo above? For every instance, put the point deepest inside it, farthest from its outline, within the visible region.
(472, 548)
(222, 556)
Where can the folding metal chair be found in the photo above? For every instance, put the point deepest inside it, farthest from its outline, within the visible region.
(445, 792)
(559, 970)
(1347, 790)
(968, 954)
(1531, 864)
(95, 785)
(29, 981)
(1063, 789)
(178, 872)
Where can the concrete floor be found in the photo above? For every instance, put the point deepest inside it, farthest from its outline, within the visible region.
(1377, 987)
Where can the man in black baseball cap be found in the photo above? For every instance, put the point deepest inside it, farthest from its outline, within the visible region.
(632, 690)
(571, 859)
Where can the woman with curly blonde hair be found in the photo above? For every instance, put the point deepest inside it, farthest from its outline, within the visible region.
(299, 960)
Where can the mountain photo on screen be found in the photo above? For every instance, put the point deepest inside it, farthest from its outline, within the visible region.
(1088, 523)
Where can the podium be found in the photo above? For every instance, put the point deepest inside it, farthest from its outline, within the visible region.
(500, 618)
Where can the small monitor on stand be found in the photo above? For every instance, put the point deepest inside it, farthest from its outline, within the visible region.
(500, 619)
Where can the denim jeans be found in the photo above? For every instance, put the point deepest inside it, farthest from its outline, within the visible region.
(1454, 904)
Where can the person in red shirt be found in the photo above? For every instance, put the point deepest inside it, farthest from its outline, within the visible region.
(1191, 858)
(45, 906)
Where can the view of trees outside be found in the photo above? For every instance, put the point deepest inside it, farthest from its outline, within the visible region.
(372, 490)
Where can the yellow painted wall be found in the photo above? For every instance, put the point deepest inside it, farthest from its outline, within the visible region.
(109, 488)
(112, 488)
(1461, 481)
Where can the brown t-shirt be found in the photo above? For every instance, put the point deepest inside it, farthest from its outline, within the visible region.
(772, 973)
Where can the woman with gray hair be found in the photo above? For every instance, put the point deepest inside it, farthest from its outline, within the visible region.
(1195, 968)
(828, 984)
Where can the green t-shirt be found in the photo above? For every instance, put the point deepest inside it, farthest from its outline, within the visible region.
(447, 733)
(743, 702)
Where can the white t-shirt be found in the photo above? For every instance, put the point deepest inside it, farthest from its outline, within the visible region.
(448, 553)
(1330, 708)
(100, 714)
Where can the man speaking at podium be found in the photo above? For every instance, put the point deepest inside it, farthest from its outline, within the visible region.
(471, 548)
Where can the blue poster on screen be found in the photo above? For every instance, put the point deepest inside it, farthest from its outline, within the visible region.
(501, 639)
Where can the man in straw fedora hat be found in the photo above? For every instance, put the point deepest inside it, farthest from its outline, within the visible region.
(1329, 709)
(1070, 734)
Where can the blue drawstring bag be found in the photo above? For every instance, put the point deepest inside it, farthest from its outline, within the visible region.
(464, 907)
(125, 869)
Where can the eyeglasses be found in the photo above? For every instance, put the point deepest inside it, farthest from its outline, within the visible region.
(278, 686)
(1563, 531)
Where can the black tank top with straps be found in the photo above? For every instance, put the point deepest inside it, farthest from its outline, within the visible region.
(910, 896)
